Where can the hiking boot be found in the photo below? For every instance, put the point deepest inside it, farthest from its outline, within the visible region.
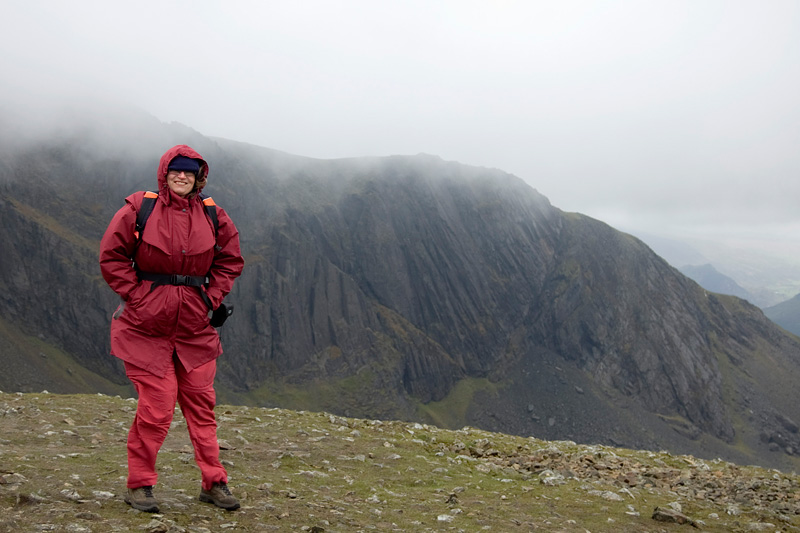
(221, 496)
(142, 499)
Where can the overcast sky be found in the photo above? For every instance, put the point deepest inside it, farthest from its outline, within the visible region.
(680, 116)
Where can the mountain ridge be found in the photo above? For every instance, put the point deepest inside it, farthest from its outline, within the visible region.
(403, 286)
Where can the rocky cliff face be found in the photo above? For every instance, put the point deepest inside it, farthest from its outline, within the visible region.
(414, 288)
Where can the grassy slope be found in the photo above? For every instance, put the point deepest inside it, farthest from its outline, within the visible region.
(38, 366)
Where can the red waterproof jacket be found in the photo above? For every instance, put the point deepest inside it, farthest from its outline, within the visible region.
(150, 325)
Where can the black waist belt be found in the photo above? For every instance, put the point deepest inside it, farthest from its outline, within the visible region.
(171, 279)
(176, 279)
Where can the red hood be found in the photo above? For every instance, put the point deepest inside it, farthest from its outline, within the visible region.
(173, 152)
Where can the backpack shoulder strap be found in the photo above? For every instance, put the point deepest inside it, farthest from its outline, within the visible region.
(149, 202)
(145, 210)
(211, 211)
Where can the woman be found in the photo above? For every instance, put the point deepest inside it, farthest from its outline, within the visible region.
(169, 277)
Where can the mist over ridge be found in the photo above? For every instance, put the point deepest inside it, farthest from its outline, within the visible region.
(675, 117)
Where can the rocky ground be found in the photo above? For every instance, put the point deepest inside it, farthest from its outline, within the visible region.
(62, 468)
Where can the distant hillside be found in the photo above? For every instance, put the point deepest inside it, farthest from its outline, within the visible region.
(768, 278)
(675, 252)
(402, 287)
(64, 469)
(786, 314)
(711, 279)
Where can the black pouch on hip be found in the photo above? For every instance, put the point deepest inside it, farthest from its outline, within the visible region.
(220, 315)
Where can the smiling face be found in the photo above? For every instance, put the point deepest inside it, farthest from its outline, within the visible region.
(181, 182)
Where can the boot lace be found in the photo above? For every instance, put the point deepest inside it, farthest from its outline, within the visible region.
(224, 488)
(148, 491)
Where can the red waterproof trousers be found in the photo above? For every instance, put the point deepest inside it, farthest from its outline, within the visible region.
(194, 392)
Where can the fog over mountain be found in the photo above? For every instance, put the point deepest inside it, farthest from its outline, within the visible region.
(668, 116)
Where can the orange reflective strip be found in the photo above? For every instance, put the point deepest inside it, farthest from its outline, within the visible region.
(148, 194)
(208, 201)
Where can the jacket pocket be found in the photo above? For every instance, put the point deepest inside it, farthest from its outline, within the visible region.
(151, 311)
